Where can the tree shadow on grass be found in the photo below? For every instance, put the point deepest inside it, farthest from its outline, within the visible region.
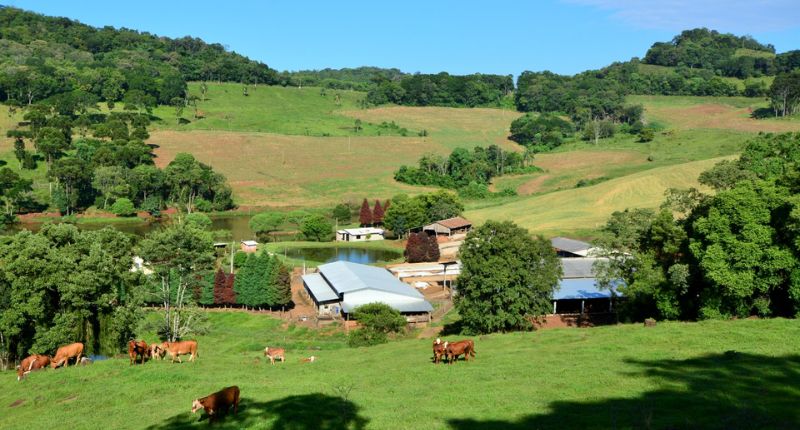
(301, 412)
(719, 391)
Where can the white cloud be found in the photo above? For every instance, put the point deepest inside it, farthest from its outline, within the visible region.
(737, 16)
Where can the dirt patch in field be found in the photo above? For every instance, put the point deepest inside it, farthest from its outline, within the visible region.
(718, 116)
(69, 399)
(18, 402)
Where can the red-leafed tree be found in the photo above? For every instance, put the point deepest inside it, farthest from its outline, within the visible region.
(219, 286)
(365, 215)
(377, 213)
(421, 247)
(223, 288)
(414, 252)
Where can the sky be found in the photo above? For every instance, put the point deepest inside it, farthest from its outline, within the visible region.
(460, 37)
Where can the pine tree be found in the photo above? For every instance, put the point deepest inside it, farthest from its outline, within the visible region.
(377, 213)
(219, 287)
(229, 295)
(283, 286)
(262, 281)
(245, 281)
(386, 206)
(365, 215)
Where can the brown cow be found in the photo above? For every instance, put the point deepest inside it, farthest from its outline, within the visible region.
(138, 348)
(32, 363)
(454, 349)
(438, 350)
(274, 353)
(219, 403)
(65, 353)
(176, 349)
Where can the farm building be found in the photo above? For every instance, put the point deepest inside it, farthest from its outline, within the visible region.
(359, 234)
(578, 291)
(449, 227)
(571, 248)
(339, 287)
(249, 246)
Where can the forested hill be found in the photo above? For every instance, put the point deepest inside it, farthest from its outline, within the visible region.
(41, 56)
(729, 55)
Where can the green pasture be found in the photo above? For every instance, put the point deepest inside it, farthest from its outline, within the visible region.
(717, 375)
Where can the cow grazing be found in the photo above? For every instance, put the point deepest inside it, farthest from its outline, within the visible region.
(66, 352)
(219, 403)
(32, 363)
(438, 350)
(454, 349)
(136, 349)
(274, 353)
(176, 349)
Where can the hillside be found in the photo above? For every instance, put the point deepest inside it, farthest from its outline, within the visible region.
(700, 375)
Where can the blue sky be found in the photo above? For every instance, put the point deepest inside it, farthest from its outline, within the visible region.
(499, 36)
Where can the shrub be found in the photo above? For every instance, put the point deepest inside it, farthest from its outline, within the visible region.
(377, 320)
(198, 220)
(239, 259)
(203, 205)
(646, 135)
(123, 207)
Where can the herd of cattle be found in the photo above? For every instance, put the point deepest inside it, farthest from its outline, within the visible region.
(219, 403)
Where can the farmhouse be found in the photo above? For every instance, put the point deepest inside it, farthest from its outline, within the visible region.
(566, 247)
(359, 234)
(339, 287)
(249, 245)
(449, 227)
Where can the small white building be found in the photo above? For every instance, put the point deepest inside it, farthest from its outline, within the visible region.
(360, 234)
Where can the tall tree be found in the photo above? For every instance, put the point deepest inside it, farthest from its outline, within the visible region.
(175, 254)
(377, 213)
(524, 272)
(365, 214)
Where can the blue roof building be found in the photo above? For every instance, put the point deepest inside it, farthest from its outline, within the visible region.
(342, 286)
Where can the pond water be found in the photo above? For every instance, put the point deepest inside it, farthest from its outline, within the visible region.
(335, 253)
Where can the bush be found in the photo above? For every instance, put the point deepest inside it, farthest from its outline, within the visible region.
(378, 320)
(199, 220)
(239, 259)
(152, 205)
(646, 135)
(203, 205)
(123, 207)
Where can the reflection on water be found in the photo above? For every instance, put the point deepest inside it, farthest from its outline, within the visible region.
(331, 254)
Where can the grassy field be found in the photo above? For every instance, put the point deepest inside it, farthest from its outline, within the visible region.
(583, 210)
(728, 375)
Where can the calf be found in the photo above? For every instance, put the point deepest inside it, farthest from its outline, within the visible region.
(65, 353)
(308, 359)
(138, 348)
(454, 349)
(30, 364)
(274, 353)
(176, 349)
(438, 350)
(219, 403)
(156, 351)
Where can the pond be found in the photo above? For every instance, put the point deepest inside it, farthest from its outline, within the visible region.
(343, 253)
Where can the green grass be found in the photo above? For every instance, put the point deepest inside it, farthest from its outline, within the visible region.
(273, 109)
(723, 374)
(745, 52)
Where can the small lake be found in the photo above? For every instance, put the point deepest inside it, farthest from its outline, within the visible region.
(334, 253)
